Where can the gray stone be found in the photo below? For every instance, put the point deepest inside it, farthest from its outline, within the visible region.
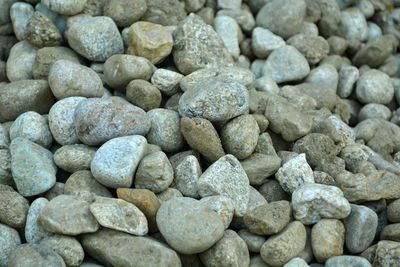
(314, 48)
(226, 177)
(165, 129)
(98, 120)
(126, 12)
(222, 205)
(67, 79)
(272, 191)
(33, 127)
(327, 239)
(68, 215)
(312, 202)
(95, 38)
(393, 211)
(34, 232)
(259, 167)
(263, 42)
(230, 250)
(168, 194)
(13, 207)
(56, 190)
(186, 176)
(177, 218)
(41, 32)
(254, 242)
(5, 167)
(374, 53)
(209, 100)
(344, 261)
(229, 31)
(67, 247)
(61, 120)
(111, 247)
(65, 7)
(166, 81)
(115, 162)
(391, 232)
(34, 255)
(72, 158)
(143, 94)
(58, 20)
(266, 84)
(386, 254)
(324, 75)
(374, 111)
(9, 241)
(296, 262)
(32, 167)
(337, 45)
(119, 215)
(164, 12)
(20, 61)
(242, 15)
(374, 86)
(353, 25)
(191, 52)
(20, 14)
(348, 76)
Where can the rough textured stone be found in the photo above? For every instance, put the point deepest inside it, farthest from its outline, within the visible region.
(126, 12)
(13, 207)
(9, 241)
(353, 25)
(34, 255)
(167, 81)
(143, 94)
(65, 7)
(164, 12)
(34, 232)
(374, 86)
(229, 31)
(42, 32)
(177, 218)
(115, 162)
(20, 61)
(391, 232)
(72, 158)
(393, 211)
(20, 14)
(263, 42)
(186, 176)
(259, 167)
(67, 247)
(386, 253)
(314, 48)
(254, 242)
(348, 76)
(222, 205)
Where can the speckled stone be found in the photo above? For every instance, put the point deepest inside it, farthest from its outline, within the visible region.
(72, 158)
(34, 255)
(13, 207)
(67, 247)
(9, 241)
(34, 232)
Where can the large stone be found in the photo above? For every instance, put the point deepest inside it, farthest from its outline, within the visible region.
(73, 158)
(177, 218)
(20, 14)
(9, 241)
(374, 86)
(115, 162)
(374, 53)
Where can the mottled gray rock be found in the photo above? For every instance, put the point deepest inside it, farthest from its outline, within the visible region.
(143, 94)
(34, 255)
(259, 167)
(314, 48)
(13, 207)
(165, 129)
(41, 32)
(374, 53)
(98, 120)
(327, 239)
(68, 215)
(56, 190)
(5, 167)
(348, 76)
(386, 253)
(115, 162)
(177, 218)
(226, 177)
(34, 232)
(393, 211)
(229, 31)
(324, 75)
(353, 25)
(254, 242)
(191, 52)
(374, 86)
(164, 12)
(312, 202)
(61, 120)
(344, 261)
(266, 84)
(296, 262)
(374, 111)
(72, 158)
(9, 241)
(95, 38)
(166, 81)
(20, 14)
(222, 205)
(20, 61)
(111, 247)
(119, 215)
(65, 7)
(32, 167)
(391, 232)
(67, 79)
(33, 127)
(186, 176)
(126, 12)
(230, 250)
(337, 45)
(67, 247)
(168, 194)
(263, 42)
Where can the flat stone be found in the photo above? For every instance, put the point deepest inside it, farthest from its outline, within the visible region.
(259, 167)
(115, 248)
(34, 232)
(67, 247)
(312, 202)
(9, 241)
(68, 215)
(98, 120)
(34, 255)
(222, 205)
(226, 177)
(111, 165)
(73, 158)
(32, 167)
(20, 61)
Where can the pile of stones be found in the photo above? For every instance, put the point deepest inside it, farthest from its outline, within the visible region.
(199, 133)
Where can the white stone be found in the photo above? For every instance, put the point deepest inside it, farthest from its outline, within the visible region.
(229, 31)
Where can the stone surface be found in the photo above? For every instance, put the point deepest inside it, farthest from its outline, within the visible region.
(143, 94)
(348, 76)
(20, 14)
(34, 232)
(68, 215)
(164, 12)
(314, 48)
(254, 242)
(229, 31)
(41, 32)
(393, 211)
(259, 167)
(386, 253)
(353, 25)
(67, 247)
(374, 53)
(343, 261)
(9, 241)
(222, 205)
(177, 217)
(111, 165)
(32, 167)
(13, 207)
(73, 158)
(263, 42)
(34, 255)
(20, 61)
(65, 7)
(374, 86)
(167, 81)
(186, 176)
(126, 12)
(226, 177)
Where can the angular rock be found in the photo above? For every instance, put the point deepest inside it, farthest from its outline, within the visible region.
(186, 177)
(20, 14)
(254, 242)
(263, 42)
(374, 53)
(167, 81)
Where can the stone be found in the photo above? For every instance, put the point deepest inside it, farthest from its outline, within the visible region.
(168, 194)
(33, 127)
(95, 38)
(22, 96)
(296, 262)
(266, 84)
(312, 202)
(111, 165)
(343, 261)
(166, 81)
(374, 53)
(165, 129)
(67, 79)
(208, 100)
(226, 177)
(254, 242)
(327, 239)
(222, 205)
(154, 172)
(391, 232)
(295, 173)
(186, 177)
(163, 12)
(272, 191)
(374, 86)
(5, 167)
(34, 255)
(314, 48)
(66, 7)
(386, 253)
(263, 42)
(126, 12)
(97, 120)
(119, 215)
(192, 53)
(41, 32)
(348, 76)
(230, 250)
(201, 135)
(61, 120)
(82, 184)
(325, 75)
(56, 190)
(13, 207)
(259, 167)
(58, 20)
(73, 158)
(374, 111)
(68, 215)
(9, 241)
(268, 219)
(239, 136)
(34, 232)
(32, 167)
(229, 31)
(393, 211)
(20, 61)
(337, 45)
(46, 56)
(282, 247)
(20, 14)
(67, 247)
(119, 70)
(286, 64)
(143, 94)
(177, 218)
(145, 200)
(115, 248)
(150, 40)
(353, 25)
(284, 18)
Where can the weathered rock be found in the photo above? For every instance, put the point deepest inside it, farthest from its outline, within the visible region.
(186, 177)
(20, 61)
(222, 205)
(143, 94)
(374, 86)
(393, 211)
(34, 255)
(34, 232)
(263, 42)
(66, 7)
(9, 241)
(374, 53)
(254, 242)
(20, 14)
(163, 12)
(73, 158)
(386, 253)
(343, 261)
(259, 167)
(42, 32)
(13, 207)
(348, 76)
(67, 247)
(229, 31)
(126, 12)
(166, 81)
(314, 48)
